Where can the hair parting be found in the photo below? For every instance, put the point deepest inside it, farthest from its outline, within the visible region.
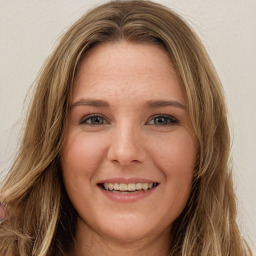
(41, 219)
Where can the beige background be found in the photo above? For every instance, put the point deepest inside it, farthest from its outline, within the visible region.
(29, 29)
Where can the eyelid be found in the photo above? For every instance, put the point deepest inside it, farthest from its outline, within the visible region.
(87, 117)
(174, 120)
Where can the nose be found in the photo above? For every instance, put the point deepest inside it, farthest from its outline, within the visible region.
(126, 147)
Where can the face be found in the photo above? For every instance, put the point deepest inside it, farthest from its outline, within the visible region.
(129, 152)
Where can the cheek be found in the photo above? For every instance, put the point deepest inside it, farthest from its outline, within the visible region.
(176, 154)
(81, 157)
(177, 161)
(179, 166)
(82, 154)
(174, 157)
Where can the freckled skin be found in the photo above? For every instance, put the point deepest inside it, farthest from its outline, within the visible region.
(129, 144)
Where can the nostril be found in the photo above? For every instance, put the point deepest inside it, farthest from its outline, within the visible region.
(126, 155)
(126, 147)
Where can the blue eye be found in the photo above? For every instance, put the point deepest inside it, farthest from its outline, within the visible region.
(163, 120)
(94, 120)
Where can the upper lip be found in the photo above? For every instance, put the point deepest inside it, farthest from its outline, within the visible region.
(126, 180)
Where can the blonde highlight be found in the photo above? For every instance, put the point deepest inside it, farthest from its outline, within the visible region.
(207, 225)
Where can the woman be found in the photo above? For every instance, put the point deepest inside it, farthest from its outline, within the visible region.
(126, 146)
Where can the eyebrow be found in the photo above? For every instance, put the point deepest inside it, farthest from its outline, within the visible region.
(89, 102)
(164, 103)
(149, 104)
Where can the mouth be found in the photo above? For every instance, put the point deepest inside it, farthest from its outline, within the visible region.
(127, 188)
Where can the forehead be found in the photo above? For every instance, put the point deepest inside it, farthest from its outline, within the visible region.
(125, 69)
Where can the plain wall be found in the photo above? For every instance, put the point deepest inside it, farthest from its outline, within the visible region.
(29, 29)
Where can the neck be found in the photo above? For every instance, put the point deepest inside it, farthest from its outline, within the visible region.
(90, 243)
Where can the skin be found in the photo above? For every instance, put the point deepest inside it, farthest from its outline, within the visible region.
(129, 141)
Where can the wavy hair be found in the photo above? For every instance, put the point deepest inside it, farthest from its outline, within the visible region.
(41, 220)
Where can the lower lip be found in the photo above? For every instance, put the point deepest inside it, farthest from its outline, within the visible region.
(129, 197)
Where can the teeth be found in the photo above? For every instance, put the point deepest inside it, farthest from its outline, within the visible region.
(110, 186)
(138, 186)
(123, 187)
(116, 186)
(145, 186)
(132, 187)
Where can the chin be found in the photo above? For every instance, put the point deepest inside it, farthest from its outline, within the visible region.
(128, 228)
(126, 234)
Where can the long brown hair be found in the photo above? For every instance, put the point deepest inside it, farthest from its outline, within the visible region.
(41, 218)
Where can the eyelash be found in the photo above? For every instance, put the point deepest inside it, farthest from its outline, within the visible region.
(167, 120)
(90, 117)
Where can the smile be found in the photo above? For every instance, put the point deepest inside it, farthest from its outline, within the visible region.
(130, 187)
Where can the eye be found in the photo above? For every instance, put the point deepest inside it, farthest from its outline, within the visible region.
(163, 120)
(94, 120)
